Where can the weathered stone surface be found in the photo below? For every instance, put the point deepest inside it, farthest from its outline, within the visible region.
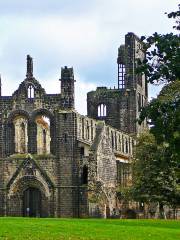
(56, 162)
(123, 104)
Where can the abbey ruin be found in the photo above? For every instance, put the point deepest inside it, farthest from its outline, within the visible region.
(55, 162)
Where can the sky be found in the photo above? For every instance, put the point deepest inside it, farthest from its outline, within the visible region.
(83, 34)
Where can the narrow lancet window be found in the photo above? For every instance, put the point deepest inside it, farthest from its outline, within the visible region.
(102, 110)
(30, 92)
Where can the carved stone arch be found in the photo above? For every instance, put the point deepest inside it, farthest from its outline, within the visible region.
(28, 181)
(42, 111)
(29, 162)
(50, 115)
(16, 191)
(10, 130)
(18, 112)
(23, 87)
(28, 83)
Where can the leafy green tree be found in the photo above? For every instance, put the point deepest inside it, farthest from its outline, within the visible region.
(156, 167)
(162, 63)
(154, 175)
(163, 114)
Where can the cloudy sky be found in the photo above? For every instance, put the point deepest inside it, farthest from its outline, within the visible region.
(83, 34)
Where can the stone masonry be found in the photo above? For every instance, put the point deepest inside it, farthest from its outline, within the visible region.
(55, 162)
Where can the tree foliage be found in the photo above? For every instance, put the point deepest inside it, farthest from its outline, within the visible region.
(154, 173)
(176, 16)
(163, 114)
(162, 63)
(156, 166)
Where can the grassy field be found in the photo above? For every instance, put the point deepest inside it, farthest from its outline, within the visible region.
(29, 228)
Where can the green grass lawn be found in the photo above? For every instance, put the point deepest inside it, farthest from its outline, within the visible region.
(34, 228)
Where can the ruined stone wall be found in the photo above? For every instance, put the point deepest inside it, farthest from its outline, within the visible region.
(123, 104)
(111, 99)
(69, 159)
(103, 169)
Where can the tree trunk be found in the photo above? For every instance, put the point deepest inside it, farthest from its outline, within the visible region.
(162, 214)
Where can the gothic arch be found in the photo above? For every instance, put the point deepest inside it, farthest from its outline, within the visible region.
(25, 182)
(16, 113)
(42, 111)
(16, 193)
(50, 115)
(9, 129)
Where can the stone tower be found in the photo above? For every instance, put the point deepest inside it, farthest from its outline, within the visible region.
(37, 142)
(120, 107)
(67, 86)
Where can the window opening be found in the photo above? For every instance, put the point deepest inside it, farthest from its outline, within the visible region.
(87, 130)
(82, 151)
(112, 139)
(92, 135)
(30, 92)
(126, 146)
(65, 137)
(44, 140)
(82, 128)
(102, 110)
(121, 76)
(139, 102)
(85, 175)
(65, 116)
(43, 134)
(20, 138)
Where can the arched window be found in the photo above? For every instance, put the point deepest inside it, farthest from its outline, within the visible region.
(85, 175)
(20, 138)
(102, 111)
(43, 134)
(30, 91)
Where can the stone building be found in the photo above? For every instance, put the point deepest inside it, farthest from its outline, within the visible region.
(55, 162)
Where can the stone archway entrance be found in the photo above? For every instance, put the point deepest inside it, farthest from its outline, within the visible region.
(32, 202)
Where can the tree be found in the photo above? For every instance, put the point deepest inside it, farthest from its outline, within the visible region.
(156, 167)
(162, 63)
(154, 175)
(163, 114)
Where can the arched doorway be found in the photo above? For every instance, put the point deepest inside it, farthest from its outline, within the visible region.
(32, 202)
